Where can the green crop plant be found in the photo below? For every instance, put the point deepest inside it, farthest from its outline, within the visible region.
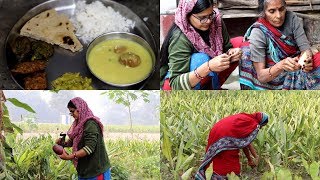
(291, 137)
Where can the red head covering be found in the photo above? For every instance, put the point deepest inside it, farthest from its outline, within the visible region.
(215, 36)
(226, 137)
(237, 126)
(76, 130)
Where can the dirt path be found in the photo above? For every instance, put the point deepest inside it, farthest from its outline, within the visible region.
(112, 136)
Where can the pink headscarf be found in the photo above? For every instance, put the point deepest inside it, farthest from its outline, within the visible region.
(215, 36)
(76, 130)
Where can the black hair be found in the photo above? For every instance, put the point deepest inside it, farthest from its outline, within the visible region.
(200, 6)
(71, 105)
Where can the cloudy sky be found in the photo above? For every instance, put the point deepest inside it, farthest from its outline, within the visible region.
(51, 106)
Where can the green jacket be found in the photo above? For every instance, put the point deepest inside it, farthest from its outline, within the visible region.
(97, 161)
(180, 51)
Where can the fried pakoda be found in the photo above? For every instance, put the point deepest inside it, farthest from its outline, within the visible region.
(29, 67)
(36, 81)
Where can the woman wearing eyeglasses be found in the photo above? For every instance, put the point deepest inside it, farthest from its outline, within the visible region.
(197, 53)
(89, 154)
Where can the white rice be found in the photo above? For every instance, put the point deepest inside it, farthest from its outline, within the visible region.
(93, 20)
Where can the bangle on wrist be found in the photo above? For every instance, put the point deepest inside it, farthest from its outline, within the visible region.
(209, 66)
(270, 72)
(197, 75)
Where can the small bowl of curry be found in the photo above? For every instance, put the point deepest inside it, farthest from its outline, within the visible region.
(120, 59)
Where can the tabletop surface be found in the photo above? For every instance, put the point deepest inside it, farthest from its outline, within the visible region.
(12, 10)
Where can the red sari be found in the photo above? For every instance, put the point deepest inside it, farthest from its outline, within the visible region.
(226, 137)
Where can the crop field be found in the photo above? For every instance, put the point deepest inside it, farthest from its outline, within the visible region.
(57, 128)
(289, 145)
(34, 159)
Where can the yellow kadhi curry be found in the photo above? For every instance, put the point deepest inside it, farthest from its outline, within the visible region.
(104, 62)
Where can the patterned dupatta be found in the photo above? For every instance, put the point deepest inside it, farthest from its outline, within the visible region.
(215, 35)
(77, 128)
(279, 47)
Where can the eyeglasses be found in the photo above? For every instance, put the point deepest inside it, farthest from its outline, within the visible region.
(204, 19)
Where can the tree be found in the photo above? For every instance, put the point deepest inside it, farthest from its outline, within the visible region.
(127, 98)
(2, 99)
(7, 127)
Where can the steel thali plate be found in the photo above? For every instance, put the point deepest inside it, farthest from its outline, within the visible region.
(64, 61)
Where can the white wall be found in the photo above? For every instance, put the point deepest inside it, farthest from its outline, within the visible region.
(167, 6)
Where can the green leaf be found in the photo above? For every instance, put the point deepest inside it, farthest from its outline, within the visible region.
(146, 100)
(23, 157)
(17, 128)
(284, 174)
(104, 93)
(180, 154)
(296, 177)
(233, 176)
(187, 161)
(18, 103)
(166, 147)
(314, 169)
(306, 165)
(271, 166)
(267, 176)
(187, 175)
(133, 96)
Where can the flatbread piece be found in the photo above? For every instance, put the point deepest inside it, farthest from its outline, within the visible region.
(53, 28)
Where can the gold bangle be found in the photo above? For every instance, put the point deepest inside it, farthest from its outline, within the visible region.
(270, 72)
(197, 75)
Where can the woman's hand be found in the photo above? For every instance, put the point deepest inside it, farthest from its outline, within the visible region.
(290, 64)
(219, 63)
(65, 156)
(253, 162)
(248, 151)
(235, 54)
(308, 65)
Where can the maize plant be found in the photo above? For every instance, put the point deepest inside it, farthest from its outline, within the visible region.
(289, 146)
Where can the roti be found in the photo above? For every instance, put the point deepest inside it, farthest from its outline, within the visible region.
(53, 28)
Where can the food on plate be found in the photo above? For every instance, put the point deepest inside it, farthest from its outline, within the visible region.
(72, 81)
(53, 28)
(36, 81)
(103, 62)
(57, 149)
(21, 46)
(29, 67)
(41, 50)
(94, 19)
(129, 59)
